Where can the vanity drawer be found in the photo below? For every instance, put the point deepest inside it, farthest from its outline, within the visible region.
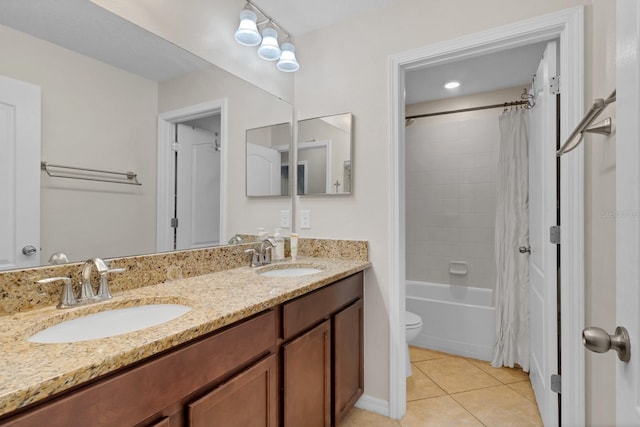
(302, 313)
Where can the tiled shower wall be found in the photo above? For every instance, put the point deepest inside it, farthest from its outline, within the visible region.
(451, 165)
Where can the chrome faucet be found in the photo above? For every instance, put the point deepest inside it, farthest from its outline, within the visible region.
(266, 247)
(86, 290)
(262, 256)
(87, 295)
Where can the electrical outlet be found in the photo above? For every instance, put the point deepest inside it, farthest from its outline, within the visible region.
(284, 219)
(305, 219)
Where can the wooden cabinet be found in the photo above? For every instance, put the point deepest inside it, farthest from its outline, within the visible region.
(298, 364)
(158, 389)
(322, 358)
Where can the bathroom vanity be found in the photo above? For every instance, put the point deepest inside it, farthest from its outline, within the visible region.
(279, 351)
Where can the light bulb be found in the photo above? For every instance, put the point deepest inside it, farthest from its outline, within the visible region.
(269, 49)
(288, 62)
(247, 33)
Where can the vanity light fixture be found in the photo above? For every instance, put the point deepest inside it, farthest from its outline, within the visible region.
(451, 85)
(248, 35)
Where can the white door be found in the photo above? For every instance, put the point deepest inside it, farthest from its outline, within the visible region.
(628, 207)
(543, 258)
(198, 189)
(19, 174)
(264, 164)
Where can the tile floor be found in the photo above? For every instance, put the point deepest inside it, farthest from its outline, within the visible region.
(447, 390)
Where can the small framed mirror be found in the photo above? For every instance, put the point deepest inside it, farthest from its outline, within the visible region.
(325, 149)
(267, 155)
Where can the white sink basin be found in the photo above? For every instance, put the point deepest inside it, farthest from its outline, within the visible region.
(291, 272)
(109, 323)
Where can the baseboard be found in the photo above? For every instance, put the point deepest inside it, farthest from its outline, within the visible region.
(373, 404)
(465, 349)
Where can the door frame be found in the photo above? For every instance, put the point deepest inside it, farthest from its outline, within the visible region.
(627, 205)
(568, 27)
(166, 173)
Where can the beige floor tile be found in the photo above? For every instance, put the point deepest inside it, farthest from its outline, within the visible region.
(437, 411)
(417, 354)
(419, 386)
(455, 375)
(504, 375)
(499, 406)
(361, 418)
(523, 388)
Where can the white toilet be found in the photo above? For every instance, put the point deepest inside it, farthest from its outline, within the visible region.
(413, 326)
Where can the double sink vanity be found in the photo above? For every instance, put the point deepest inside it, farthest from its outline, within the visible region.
(280, 344)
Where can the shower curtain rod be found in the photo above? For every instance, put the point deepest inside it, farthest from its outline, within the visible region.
(464, 110)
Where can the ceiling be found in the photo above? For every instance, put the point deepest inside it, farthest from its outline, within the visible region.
(79, 25)
(303, 16)
(485, 73)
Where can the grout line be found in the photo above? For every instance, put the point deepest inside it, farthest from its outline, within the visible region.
(470, 413)
(452, 395)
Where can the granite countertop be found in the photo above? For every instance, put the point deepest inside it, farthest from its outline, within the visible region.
(30, 372)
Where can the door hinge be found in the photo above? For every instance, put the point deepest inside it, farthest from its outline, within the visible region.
(175, 146)
(554, 85)
(554, 234)
(174, 222)
(556, 383)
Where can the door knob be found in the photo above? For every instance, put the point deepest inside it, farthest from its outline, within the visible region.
(29, 250)
(599, 341)
(525, 249)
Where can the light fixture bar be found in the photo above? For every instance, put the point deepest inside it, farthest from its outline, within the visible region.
(268, 19)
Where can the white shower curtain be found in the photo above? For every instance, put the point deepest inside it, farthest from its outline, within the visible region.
(511, 295)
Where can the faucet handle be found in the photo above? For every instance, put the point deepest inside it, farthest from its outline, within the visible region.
(67, 299)
(103, 290)
(266, 257)
(255, 258)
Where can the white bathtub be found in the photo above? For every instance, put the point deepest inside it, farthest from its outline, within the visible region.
(456, 319)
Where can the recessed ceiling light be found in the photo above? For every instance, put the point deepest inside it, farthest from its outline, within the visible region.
(452, 85)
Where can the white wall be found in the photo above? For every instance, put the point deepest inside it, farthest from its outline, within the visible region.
(355, 78)
(451, 163)
(248, 107)
(206, 28)
(93, 116)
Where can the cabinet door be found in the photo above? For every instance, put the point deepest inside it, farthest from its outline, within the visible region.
(307, 378)
(248, 399)
(348, 357)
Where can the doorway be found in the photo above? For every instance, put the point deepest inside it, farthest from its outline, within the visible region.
(203, 159)
(566, 27)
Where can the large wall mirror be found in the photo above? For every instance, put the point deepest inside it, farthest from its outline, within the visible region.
(105, 83)
(268, 160)
(325, 147)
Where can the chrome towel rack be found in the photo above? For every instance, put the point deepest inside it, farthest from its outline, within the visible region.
(604, 128)
(129, 178)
